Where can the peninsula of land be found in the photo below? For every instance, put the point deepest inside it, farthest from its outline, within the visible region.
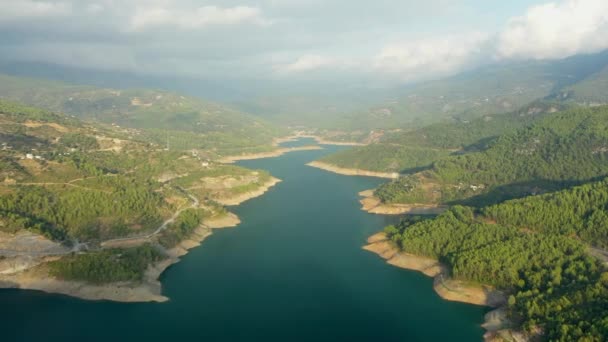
(29, 269)
(245, 196)
(352, 172)
(374, 205)
(276, 153)
(496, 322)
(446, 287)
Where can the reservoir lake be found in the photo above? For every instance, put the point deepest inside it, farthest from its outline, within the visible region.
(293, 270)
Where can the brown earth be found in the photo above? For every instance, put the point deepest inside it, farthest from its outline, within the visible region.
(352, 172)
(446, 287)
(374, 205)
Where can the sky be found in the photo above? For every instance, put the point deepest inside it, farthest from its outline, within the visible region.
(291, 40)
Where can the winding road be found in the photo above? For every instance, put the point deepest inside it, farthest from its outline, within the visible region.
(78, 246)
(195, 204)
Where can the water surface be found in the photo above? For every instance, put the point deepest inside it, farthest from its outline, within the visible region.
(293, 270)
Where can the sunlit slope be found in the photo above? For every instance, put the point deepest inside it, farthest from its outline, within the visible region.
(559, 150)
(144, 109)
(405, 150)
(539, 251)
(90, 187)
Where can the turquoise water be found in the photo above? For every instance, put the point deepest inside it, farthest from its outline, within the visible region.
(293, 270)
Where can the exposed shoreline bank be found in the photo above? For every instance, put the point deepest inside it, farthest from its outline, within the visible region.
(352, 172)
(37, 276)
(240, 198)
(320, 140)
(272, 154)
(374, 205)
(446, 287)
(33, 273)
(497, 324)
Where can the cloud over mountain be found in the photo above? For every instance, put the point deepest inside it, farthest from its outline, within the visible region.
(393, 40)
(556, 30)
(430, 57)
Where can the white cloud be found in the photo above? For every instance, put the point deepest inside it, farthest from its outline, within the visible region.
(369, 41)
(556, 30)
(430, 57)
(195, 19)
(94, 8)
(307, 63)
(547, 31)
(19, 9)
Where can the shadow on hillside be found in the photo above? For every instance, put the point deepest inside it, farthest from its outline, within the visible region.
(22, 141)
(519, 190)
(415, 169)
(478, 146)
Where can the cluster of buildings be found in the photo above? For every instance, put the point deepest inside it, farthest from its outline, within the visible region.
(33, 156)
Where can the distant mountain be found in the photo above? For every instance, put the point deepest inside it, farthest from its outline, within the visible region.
(465, 126)
(490, 90)
(215, 90)
(310, 104)
(144, 109)
(406, 151)
(591, 91)
(357, 105)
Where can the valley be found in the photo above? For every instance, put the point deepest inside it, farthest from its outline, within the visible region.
(491, 182)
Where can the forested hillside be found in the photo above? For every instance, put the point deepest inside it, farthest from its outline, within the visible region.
(559, 150)
(411, 150)
(84, 184)
(579, 212)
(536, 249)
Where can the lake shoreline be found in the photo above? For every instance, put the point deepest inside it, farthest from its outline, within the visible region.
(352, 172)
(32, 273)
(446, 287)
(148, 290)
(272, 154)
(240, 198)
(374, 205)
(321, 140)
(496, 322)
